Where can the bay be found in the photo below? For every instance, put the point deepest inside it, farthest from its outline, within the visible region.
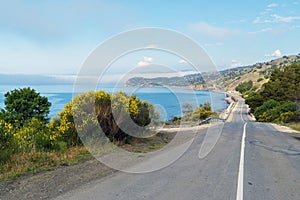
(168, 101)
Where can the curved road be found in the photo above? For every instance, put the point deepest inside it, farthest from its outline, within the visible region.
(251, 160)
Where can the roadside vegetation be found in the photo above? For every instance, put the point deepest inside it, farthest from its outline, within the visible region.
(278, 100)
(31, 142)
(244, 87)
(191, 115)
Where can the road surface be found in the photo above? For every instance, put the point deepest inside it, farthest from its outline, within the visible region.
(251, 160)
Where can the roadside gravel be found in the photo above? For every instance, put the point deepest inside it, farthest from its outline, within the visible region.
(48, 185)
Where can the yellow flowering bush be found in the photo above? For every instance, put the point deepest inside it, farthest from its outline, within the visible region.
(7, 144)
(94, 109)
(62, 127)
(85, 114)
(34, 135)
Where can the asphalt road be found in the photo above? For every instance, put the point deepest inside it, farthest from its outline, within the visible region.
(250, 161)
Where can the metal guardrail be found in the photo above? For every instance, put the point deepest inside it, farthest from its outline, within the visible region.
(211, 119)
(218, 119)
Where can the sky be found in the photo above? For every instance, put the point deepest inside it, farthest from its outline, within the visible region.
(55, 37)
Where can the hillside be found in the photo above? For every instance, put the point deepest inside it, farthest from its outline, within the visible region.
(228, 79)
(278, 101)
(192, 81)
(258, 73)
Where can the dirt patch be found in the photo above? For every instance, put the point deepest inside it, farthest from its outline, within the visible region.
(51, 184)
(143, 145)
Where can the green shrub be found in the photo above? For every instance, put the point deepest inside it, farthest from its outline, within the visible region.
(261, 112)
(34, 135)
(24, 104)
(260, 79)
(282, 87)
(63, 128)
(266, 76)
(60, 146)
(254, 88)
(202, 112)
(244, 87)
(259, 67)
(7, 143)
(5, 155)
(273, 111)
(288, 117)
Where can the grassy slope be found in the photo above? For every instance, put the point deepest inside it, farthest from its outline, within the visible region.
(230, 78)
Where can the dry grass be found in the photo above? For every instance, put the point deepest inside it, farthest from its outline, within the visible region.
(294, 125)
(33, 162)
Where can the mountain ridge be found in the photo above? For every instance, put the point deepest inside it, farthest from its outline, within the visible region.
(226, 79)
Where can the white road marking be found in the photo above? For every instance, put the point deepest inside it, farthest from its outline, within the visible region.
(241, 111)
(240, 185)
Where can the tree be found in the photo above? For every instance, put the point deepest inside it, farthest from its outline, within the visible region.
(262, 113)
(24, 104)
(207, 106)
(273, 111)
(202, 112)
(244, 87)
(268, 105)
(283, 85)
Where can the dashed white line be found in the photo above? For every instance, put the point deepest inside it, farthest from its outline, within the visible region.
(240, 185)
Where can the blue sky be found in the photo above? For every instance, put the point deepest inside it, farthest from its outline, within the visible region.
(55, 37)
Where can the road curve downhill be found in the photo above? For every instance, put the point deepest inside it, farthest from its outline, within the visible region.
(251, 160)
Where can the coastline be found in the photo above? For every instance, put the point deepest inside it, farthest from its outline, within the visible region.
(63, 96)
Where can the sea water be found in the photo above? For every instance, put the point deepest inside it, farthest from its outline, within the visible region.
(168, 101)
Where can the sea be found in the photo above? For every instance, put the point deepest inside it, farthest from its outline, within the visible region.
(168, 101)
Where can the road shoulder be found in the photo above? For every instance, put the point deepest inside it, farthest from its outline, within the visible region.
(291, 132)
(285, 129)
(51, 184)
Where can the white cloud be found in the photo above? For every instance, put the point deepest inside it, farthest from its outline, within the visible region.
(152, 46)
(147, 61)
(235, 63)
(182, 61)
(259, 20)
(276, 53)
(294, 27)
(275, 19)
(272, 5)
(279, 18)
(141, 64)
(264, 30)
(211, 31)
